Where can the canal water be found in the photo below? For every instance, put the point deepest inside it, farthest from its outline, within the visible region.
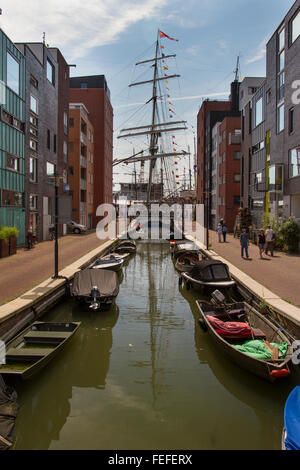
(145, 376)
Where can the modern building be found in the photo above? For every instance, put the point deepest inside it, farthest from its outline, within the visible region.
(81, 164)
(12, 140)
(282, 167)
(47, 82)
(210, 113)
(93, 92)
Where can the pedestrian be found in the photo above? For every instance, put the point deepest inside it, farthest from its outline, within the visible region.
(270, 238)
(224, 231)
(220, 231)
(244, 243)
(261, 242)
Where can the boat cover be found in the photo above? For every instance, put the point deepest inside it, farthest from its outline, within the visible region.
(8, 414)
(106, 281)
(230, 328)
(257, 349)
(292, 420)
(210, 270)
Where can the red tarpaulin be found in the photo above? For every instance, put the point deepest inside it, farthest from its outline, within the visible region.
(229, 328)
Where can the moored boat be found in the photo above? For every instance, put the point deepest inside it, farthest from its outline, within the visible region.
(95, 289)
(108, 262)
(8, 414)
(35, 346)
(247, 338)
(183, 248)
(209, 274)
(186, 261)
(125, 246)
(291, 431)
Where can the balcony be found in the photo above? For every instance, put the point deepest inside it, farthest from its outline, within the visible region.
(235, 138)
(82, 184)
(83, 138)
(82, 161)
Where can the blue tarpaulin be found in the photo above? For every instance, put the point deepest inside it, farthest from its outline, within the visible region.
(292, 420)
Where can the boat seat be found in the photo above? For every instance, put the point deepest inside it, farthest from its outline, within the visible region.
(46, 337)
(255, 333)
(26, 354)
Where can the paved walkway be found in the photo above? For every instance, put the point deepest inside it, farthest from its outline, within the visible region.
(28, 268)
(280, 274)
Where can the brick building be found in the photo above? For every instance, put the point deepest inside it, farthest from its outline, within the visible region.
(94, 94)
(81, 164)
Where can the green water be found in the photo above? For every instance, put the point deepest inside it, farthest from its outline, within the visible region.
(145, 376)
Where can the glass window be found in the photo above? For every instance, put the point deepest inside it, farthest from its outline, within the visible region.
(295, 27)
(50, 72)
(280, 118)
(83, 85)
(281, 61)
(33, 169)
(258, 177)
(237, 178)
(258, 112)
(294, 162)
(13, 73)
(71, 121)
(291, 120)
(33, 104)
(50, 172)
(281, 40)
(33, 144)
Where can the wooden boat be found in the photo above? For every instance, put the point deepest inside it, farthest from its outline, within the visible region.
(8, 414)
(95, 289)
(125, 246)
(108, 262)
(209, 274)
(123, 256)
(183, 248)
(291, 430)
(176, 242)
(35, 346)
(253, 325)
(186, 261)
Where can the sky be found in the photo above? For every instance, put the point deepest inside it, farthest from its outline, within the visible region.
(109, 36)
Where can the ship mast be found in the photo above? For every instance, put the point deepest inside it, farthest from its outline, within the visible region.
(155, 129)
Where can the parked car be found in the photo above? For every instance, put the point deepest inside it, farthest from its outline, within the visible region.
(74, 227)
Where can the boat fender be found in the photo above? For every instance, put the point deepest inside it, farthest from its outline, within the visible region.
(203, 325)
(279, 373)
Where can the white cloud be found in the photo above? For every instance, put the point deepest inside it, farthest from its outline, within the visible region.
(260, 54)
(73, 25)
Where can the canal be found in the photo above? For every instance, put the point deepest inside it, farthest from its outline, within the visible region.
(145, 376)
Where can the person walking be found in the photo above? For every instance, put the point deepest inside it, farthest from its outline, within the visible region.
(220, 231)
(224, 231)
(270, 238)
(244, 241)
(261, 242)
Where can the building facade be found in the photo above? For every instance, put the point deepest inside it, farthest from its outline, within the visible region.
(12, 141)
(81, 164)
(94, 94)
(46, 157)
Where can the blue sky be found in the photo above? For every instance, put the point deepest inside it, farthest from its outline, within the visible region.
(109, 36)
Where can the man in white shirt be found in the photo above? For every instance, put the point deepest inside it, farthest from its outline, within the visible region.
(270, 237)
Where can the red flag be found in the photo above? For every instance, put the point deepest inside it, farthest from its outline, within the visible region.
(163, 35)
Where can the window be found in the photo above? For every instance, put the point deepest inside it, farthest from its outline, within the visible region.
(33, 120)
(33, 201)
(294, 162)
(281, 40)
(54, 143)
(34, 81)
(281, 80)
(50, 72)
(50, 168)
(281, 61)
(83, 85)
(275, 177)
(33, 131)
(280, 118)
(65, 149)
(13, 73)
(295, 27)
(33, 144)
(48, 139)
(258, 111)
(33, 104)
(237, 155)
(32, 169)
(291, 120)
(65, 119)
(237, 178)
(12, 162)
(258, 177)
(268, 95)
(71, 121)
(259, 146)
(236, 200)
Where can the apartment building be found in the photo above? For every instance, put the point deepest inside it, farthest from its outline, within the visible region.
(81, 164)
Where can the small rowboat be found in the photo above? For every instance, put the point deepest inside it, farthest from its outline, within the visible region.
(35, 346)
(183, 248)
(123, 256)
(235, 327)
(108, 262)
(291, 431)
(125, 246)
(186, 261)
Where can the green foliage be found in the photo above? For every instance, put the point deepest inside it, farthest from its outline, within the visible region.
(289, 232)
(8, 232)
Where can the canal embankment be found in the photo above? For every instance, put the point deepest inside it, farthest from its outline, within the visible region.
(272, 283)
(27, 271)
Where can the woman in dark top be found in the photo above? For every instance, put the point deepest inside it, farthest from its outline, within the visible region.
(261, 242)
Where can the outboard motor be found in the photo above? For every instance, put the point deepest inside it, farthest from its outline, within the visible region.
(94, 294)
(217, 297)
